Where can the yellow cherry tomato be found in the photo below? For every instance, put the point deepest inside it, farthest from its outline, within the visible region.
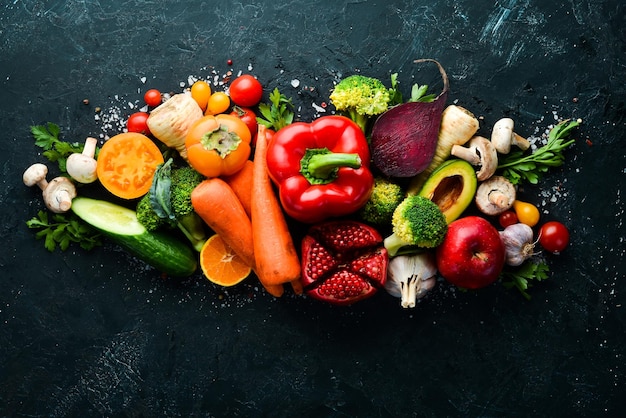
(219, 102)
(527, 213)
(201, 92)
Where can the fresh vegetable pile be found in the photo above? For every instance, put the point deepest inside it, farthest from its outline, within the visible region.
(390, 195)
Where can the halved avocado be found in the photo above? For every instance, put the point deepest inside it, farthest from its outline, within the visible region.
(452, 187)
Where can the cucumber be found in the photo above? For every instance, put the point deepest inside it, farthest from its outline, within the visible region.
(162, 251)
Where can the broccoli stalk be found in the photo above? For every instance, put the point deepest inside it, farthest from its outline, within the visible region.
(360, 98)
(417, 221)
(169, 203)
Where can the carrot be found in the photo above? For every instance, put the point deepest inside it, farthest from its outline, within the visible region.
(276, 259)
(241, 183)
(218, 206)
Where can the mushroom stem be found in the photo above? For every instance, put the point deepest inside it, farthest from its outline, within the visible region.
(42, 184)
(467, 154)
(90, 147)
(498, 198)
(521, 142)
(63, 200)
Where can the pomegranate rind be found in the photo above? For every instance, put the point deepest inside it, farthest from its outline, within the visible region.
(342, 287)
(343, 262)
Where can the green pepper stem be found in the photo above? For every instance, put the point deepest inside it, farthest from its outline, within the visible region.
(324, 166)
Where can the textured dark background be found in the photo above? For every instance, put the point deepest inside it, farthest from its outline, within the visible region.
(99, 334)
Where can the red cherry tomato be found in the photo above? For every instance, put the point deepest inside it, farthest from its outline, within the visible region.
(246, 91)
(507, 218)
(138, 122)
(152, 97)
(553, 236)
(248, 117)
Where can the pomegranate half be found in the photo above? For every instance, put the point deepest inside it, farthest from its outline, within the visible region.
(343, 262)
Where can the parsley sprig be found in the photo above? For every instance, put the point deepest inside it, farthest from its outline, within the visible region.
(522, 277)
(278, 113)
(518, 166)
(418, 93)
(55, 150)
(62, 229)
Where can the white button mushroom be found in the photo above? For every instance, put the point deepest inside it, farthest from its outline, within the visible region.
(36, 175)
(57, 194)
(502, 136)
(82, 166)
(479, 152)
(495, 195)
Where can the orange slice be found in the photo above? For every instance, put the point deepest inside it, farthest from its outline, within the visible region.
(220, 264)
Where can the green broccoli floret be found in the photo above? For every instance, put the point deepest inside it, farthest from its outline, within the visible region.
(360, 98)
(417, 221)
(147, 216)
(184, 180)
(386, 196)
(169, 203)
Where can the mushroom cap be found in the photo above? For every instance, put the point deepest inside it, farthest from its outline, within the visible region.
(488, 157)
(34, 174)
(495, 195)
(82, 168)
(502, 135)
(59, 194)
(479, 152)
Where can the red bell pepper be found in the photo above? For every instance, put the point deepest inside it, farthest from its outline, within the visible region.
(321, 168)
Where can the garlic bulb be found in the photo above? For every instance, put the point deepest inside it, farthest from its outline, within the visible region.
(518, 243)
(410, 277)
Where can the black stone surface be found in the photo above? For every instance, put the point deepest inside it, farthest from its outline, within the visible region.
(100, 334)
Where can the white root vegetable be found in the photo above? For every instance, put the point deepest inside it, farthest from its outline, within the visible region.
(458, 126)
(171, 120)
(410, 277)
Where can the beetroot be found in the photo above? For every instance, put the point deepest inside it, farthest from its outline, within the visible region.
(404, 138)
(343, 262)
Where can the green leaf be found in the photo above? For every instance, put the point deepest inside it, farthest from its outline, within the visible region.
(518, 165)
(418, 94)
(49, 243)
(45, 135)
(160, 191)
(61, 229)
(522, 277)
(395, 95)
(278, 113)
(64, 243)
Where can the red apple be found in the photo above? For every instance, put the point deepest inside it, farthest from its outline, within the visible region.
(472, 253)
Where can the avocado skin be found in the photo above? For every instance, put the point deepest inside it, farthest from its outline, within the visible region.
(452, 187)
